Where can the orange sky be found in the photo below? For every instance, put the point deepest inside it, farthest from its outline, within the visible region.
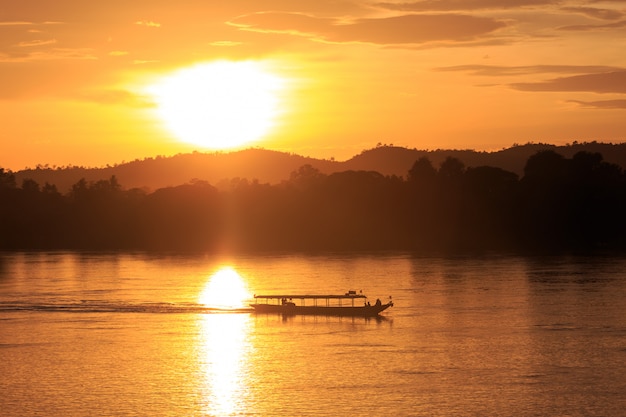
(428, 74)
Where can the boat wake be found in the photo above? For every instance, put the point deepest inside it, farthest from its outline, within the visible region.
(97, 306)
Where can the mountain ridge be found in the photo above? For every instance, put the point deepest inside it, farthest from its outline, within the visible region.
(269, 166)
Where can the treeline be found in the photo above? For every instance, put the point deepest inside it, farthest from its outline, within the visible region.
(559, 204)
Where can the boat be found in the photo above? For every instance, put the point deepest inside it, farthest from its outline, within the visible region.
(348, 304)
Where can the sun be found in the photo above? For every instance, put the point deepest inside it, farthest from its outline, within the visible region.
(219, 105)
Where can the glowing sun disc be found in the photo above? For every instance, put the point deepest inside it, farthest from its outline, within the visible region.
(219, 105)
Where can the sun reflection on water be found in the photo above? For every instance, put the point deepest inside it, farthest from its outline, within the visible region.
(225, 344)
(225, 362)
(226, 289)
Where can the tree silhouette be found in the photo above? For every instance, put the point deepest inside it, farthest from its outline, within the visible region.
(422, 173)
(559, 204)
(306, 176)
(545, 166)
(451, 169)
(7, 179)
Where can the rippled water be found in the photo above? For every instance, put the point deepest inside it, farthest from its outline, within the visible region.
(132, 334)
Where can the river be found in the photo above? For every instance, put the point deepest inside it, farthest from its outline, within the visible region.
(85, 334)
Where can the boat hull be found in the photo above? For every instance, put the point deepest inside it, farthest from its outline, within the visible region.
(348, 311)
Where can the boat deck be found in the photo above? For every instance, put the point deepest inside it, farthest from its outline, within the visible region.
(319, 304)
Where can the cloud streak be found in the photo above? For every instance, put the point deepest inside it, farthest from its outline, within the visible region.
(50, 55)
(499, 71)
(588, 78)
(405, 29)
(601, 83)
(463, 5)
(36, 42)
(16, 23)
(602, 104)
(596, 13)
(583, 28)
(148, 23)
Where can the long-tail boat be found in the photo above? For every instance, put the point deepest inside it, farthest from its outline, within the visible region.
(348, 304)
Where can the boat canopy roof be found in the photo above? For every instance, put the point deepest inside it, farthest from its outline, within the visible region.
(349, 294)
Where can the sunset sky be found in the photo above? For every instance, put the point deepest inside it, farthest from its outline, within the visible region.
(97, 83)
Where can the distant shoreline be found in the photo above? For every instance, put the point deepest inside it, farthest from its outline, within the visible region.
(560, 205)
(273, 167)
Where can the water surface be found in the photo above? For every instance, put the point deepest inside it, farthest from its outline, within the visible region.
(133, 334)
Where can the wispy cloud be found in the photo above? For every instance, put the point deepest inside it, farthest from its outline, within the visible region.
(148, 23)
(36, 42)
(608, 82)
(27, 23)
(462, 5)
(603, 14)
(603, 104)
(49, 55)
(418, 29)
(145, 61)
(404, 29)
(279, 22)
(582, 28)
(16, 23)
(495, 70)
(587, 78)
(225, 43)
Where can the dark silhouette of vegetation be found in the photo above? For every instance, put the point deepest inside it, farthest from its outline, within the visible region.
(559, 204)
(274, 167)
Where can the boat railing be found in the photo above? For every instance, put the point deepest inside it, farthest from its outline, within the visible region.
(327, 300)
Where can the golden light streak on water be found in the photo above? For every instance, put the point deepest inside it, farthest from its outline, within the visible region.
(224, 361)
(224, 343)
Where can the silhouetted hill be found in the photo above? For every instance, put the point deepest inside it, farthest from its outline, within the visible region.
(560, 205)
(272, 167)
(392, 160)
(263, 165)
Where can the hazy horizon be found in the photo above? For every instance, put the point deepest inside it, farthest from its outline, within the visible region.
(96, 84)
(112, 164)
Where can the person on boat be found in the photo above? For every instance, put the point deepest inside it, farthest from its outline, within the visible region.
(378, 303)
(289, 303)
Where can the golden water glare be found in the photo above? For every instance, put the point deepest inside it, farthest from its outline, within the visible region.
(224, 361)
(225, 347)
(225, 289)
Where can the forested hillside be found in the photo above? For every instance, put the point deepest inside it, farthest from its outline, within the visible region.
(273, 167)
(558, 204)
